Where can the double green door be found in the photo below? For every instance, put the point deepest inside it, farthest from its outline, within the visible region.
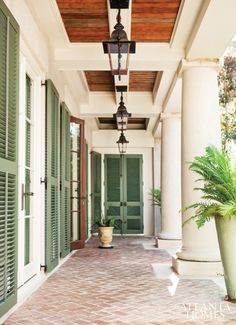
(124, 191)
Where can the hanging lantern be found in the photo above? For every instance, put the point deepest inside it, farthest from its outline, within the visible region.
(121, 115)
(118, 49)
(122, 143)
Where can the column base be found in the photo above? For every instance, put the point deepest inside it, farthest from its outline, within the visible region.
(195, 268)
(168, 235)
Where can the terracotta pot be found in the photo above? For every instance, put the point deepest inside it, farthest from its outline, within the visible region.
(226, 232)
(105, 236)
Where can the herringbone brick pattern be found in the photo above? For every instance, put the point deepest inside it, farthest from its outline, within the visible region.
(118, 287)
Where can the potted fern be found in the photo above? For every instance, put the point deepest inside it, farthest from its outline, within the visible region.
(105, 227)
(218, 202)
(156, 196)
(156, 199)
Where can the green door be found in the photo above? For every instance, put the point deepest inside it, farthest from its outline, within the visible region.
(65, 181)
(133, 194)
(96, 161)
(52, 177)
(9, 78)
(124, 191)
(86, 194)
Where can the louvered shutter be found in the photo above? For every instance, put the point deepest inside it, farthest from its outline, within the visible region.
(86, 176)
(65, 180)
(28, 166)
(96, 185)
(133, 194)
(9, 78)
(113, 186)
(52, 176)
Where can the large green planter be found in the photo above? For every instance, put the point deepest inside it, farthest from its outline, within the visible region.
(226, 231)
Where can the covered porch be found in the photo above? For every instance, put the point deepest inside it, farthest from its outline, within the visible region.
(60, 167)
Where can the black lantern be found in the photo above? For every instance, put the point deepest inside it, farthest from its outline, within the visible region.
(121, 115)
(118, 49)
(122, 143)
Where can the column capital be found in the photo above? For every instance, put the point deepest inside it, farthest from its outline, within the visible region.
(185, 64)
(164, 116)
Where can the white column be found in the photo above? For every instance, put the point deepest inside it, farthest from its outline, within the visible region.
(157, 182)
(171, 222)
(200, 127)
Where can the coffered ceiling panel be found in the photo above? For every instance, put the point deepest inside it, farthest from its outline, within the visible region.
(153, 20)
(142, 80)
(138, 80)
(100, 80)
(85, 20)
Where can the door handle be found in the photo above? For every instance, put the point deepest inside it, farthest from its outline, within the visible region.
(28, 193)
(23, 194)
(125, 204)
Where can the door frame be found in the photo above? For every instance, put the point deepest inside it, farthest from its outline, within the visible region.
(80, 243)
(33, 268)
(123, 190)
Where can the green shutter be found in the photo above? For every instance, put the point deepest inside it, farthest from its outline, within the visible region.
(52, 176)
(9, 79)
(96, 185)
(133, 193)
(86, 202)
(113, 186)
(124, 191)
(65, 180)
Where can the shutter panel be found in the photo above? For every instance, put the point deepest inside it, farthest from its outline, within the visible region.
(9, 78)
(86, 176)
(133, 193)
(65, 180)
(96, 160)
(114, 193)
(52, 158)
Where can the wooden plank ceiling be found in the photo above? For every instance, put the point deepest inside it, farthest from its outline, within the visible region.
(87, 20)
(142, 80)
(138, 80)
(153, 20)
(100, 80)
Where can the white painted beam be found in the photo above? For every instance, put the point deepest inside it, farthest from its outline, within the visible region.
(103, 104)
(90, 56)
(49, 19)
(187, 15)
(156, 132)
(78, 86)
(213, 30)
(160, 93)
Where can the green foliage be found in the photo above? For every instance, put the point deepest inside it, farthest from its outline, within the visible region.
(227, 96)
(227, 81)
(156, 196)
(107, 222)
(219, 189)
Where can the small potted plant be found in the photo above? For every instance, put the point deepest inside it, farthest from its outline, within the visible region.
(156, 196)
(156, 199)
(218, 202)
(105, 227)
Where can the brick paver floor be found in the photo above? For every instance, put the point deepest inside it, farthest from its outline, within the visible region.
(118, 287)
